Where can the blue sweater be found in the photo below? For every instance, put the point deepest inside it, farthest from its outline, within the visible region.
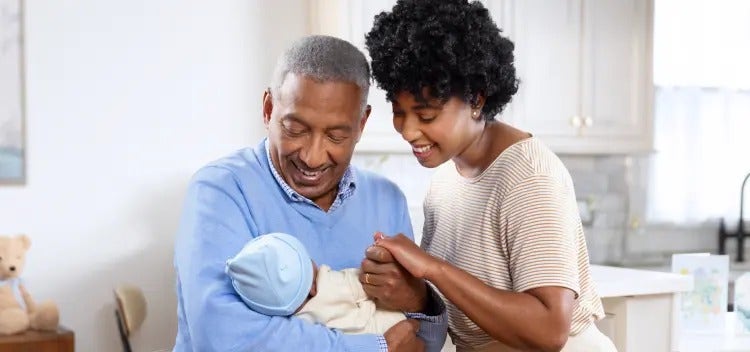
(237, 198)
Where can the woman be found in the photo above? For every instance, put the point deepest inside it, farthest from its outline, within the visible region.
(503, 242)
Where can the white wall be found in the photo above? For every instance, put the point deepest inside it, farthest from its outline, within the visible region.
(125, 99)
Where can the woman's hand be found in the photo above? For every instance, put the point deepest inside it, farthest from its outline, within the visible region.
(418, 262)
(389, 283)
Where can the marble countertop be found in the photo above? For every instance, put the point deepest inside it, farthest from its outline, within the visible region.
(618, 282)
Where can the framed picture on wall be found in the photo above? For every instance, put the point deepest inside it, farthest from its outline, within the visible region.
(12, 145)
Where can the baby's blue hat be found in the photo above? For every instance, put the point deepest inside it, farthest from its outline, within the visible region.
(273, 274)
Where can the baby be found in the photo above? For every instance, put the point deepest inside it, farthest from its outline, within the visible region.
(274, 275)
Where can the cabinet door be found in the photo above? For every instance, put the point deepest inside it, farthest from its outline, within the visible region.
(502, 12)
(617, 74)
(548, 50)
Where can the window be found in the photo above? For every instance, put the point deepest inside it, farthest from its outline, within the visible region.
(702, 110)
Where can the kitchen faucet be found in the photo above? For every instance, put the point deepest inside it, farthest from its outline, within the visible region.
(740, 234)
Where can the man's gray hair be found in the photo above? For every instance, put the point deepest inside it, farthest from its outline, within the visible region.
(324, 59)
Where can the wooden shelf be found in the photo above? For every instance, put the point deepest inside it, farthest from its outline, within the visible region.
(62, 340)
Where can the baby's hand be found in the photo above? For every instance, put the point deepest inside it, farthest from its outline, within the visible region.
(379, 235)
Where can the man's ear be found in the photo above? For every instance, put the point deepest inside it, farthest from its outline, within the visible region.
(363, 121)
(267, 107)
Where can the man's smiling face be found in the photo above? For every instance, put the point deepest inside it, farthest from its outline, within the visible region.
(312, 130)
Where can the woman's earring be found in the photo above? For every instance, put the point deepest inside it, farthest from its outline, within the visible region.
(475, 113)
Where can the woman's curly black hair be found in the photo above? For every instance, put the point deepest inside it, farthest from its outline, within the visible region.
(450, 47)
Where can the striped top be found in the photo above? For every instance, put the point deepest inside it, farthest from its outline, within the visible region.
(515, 227)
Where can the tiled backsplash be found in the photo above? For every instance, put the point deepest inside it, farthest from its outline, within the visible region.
(614, 187)
(602, 181)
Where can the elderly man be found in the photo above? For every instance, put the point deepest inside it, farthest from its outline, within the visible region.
(299, 181)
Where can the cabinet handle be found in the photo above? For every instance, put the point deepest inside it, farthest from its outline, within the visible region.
(575, 121)
(588, 121)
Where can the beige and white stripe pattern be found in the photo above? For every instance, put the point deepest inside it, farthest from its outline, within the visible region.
(515, 227)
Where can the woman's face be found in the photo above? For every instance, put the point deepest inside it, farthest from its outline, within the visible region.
(437, 131)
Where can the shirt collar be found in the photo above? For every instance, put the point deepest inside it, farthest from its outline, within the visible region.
(347, 184)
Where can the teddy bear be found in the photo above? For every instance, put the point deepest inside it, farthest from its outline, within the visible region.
(18, 312)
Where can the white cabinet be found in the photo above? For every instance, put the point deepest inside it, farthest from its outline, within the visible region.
(548, 61)
(585, 70)
(618, 84)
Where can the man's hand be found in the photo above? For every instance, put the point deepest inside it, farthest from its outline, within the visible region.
(389, 284)
(402, 337)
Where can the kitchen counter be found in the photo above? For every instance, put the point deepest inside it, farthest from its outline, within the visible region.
(618, 282)
(642, 307)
